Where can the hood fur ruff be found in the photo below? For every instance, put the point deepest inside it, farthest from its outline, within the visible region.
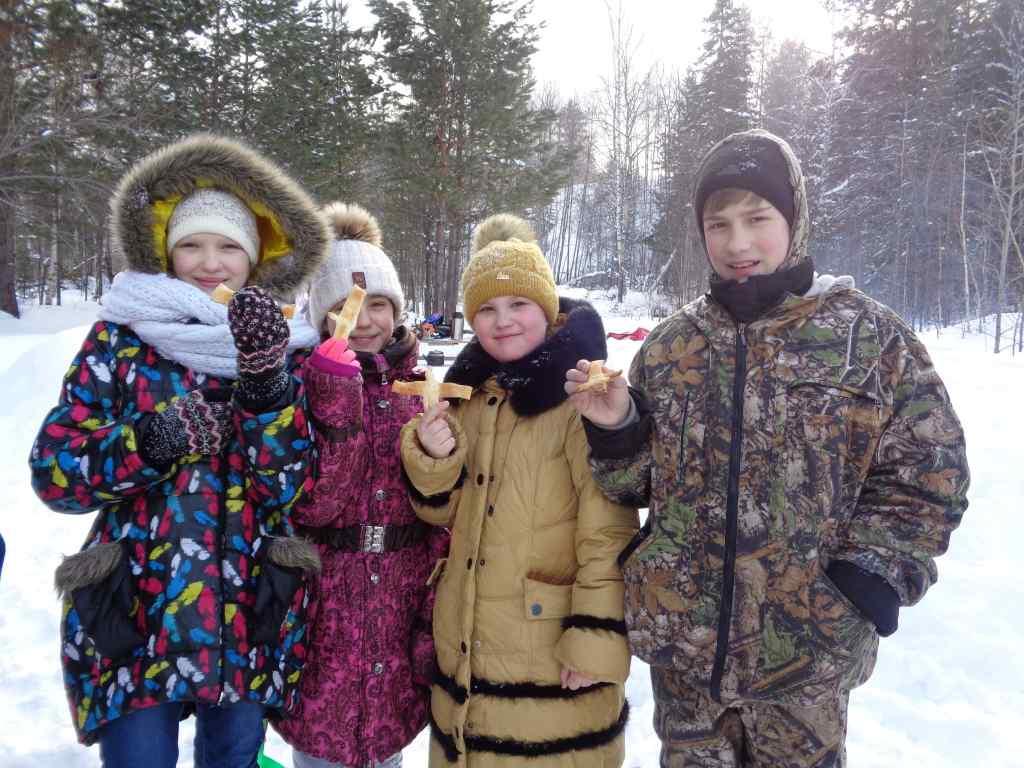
(232, 166)
(536, 383)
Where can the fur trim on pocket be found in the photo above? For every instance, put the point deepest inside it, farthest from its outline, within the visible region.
(293, 552)
(90, 566)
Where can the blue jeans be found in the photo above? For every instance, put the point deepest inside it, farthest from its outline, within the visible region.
(226, 737)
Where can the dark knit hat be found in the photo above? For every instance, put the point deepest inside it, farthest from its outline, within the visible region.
(752, 162)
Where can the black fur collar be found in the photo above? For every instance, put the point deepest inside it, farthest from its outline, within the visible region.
(536, 383)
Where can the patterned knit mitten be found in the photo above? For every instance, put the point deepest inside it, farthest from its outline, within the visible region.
(200, 422)
(261, 337)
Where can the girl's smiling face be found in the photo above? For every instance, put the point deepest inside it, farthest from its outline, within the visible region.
(510, 327)
(374, 327)
(206, 260)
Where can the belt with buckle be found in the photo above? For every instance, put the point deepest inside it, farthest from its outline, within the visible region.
(368, 538)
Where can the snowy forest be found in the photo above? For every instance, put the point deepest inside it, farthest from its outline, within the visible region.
(911, 132)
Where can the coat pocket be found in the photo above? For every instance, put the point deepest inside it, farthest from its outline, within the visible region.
(546, 601)
(634, 543)
(831, 432)
(98, 583)
(284, 564)
(680, 455)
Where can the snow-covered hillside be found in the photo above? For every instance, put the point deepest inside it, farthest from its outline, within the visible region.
(948, 691)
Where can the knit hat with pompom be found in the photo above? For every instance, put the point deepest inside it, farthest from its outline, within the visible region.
(356, 259)
(506, 261)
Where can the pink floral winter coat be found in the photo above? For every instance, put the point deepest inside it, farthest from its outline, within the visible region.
(366, 684)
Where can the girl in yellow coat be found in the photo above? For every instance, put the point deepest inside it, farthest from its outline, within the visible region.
(531, 645)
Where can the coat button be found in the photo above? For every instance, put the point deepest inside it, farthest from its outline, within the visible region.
(481, 562)
(469, 563)
(383, 404)
(479, 479)
(491, 478)
(490, 509)
(492, 400)
(378, 668)
(375, 578)
(476, 643)
(380, 495)
(535, 609)
(463, 647)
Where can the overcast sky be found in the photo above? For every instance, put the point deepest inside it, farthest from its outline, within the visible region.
(574, 46)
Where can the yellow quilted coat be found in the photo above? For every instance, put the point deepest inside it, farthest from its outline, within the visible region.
(531, 583)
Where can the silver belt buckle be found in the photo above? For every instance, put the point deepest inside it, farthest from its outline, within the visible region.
(373, 538)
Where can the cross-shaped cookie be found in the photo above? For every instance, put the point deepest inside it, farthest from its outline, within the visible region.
(222, 295)
(598, 377)
(432, 390)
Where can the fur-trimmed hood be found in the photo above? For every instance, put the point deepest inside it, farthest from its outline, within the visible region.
(536, 383)
(149, 191)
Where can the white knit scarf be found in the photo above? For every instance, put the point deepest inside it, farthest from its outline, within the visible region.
(183, 323)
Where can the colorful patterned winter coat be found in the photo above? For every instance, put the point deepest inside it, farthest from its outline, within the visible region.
(531, 584)
(190, 585)
(366, 685)
(193, 540)
(816, 434)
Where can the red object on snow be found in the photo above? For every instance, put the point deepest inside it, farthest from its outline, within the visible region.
(638, 335)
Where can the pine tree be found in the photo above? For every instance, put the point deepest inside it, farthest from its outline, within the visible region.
(459, 140)
(725, 67)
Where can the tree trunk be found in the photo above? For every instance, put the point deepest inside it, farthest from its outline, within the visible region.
(8, 262)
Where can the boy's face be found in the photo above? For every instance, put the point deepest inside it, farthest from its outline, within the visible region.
(510, 327)
(374, 326)
(745, 238)
(206, 260)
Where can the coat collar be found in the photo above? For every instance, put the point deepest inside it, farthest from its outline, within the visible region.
(536, 383)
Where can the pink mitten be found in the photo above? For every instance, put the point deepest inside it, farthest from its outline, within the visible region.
(334, 356)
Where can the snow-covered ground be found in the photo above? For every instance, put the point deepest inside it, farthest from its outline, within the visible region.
(948, 691)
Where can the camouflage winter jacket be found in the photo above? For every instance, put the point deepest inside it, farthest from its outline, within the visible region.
(815, 434)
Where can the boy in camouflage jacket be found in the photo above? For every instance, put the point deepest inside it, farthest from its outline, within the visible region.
(803, 467)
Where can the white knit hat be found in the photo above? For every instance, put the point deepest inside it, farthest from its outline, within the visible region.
(355, 257)
(216, 212)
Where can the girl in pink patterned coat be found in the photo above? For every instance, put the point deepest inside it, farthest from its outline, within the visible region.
(366, 684)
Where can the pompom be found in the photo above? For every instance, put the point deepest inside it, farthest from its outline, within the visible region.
(502, 226)
(352, 222)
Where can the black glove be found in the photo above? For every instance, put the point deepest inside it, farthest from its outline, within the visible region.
(874, 598)
(200, 422)
(261, 337)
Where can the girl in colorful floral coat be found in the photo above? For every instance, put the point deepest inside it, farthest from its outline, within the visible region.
(365, 689)
(181, 422)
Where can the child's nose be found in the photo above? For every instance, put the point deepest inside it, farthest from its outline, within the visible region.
(364, 318)
(739, 239)
(211, 259)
